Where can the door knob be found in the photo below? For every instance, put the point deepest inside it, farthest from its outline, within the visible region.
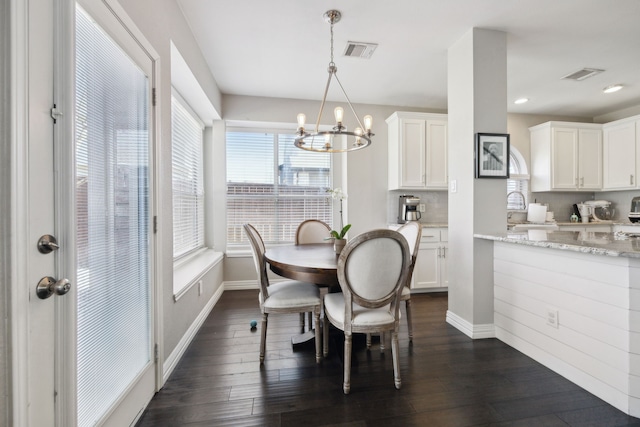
(48, 286)
(47, 244)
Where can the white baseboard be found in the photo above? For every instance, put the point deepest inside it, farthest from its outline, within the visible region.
(172, 361)
(241, 285)
(469, 329)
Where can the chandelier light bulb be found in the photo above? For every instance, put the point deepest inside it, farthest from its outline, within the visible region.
(339, 114)
(368, 122)
(301, 120)
(358, 133)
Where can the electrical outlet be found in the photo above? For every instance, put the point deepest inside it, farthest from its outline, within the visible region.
(199, 287)
(552, 318)
(454, 186)
(421, 207)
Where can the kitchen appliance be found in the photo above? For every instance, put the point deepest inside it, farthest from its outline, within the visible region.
(634, 213)
(585, 211)
(601, 210)
(408, 208)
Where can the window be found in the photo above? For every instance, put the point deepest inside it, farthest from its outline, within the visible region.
(187, 178)
(518, 182)
(273, 185)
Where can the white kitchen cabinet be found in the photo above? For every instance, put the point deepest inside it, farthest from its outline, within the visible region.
(417, 151)
(566, 156)
(430, 272)
(620, 154)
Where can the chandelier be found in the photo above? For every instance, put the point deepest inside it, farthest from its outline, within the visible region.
(338, 140)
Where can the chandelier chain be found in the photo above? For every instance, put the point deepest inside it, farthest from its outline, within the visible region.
(331, 62)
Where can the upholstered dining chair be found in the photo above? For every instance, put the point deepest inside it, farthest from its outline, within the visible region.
(289, 296)
(312, 231)
(372, 271)
(412, 231)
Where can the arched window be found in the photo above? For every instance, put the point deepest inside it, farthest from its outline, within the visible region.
(518, 182)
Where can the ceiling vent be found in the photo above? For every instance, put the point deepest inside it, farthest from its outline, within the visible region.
(580, 75)
(360, 50)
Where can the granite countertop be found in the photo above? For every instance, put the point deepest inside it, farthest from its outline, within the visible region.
(589, 242)
(425, 225)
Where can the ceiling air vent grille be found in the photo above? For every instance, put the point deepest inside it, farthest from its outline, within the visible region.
(360, 50)
(580, 75)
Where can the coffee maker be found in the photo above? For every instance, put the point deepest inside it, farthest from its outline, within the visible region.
(408, 208)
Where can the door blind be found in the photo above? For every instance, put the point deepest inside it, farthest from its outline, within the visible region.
(112, 197)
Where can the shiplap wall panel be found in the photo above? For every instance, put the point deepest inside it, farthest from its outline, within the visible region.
(597, 343)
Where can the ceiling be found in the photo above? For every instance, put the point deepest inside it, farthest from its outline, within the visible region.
(280, 48)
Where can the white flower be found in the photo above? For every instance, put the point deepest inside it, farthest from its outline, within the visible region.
(337, 194)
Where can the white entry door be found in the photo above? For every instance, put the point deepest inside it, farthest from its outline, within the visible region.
(89, 357)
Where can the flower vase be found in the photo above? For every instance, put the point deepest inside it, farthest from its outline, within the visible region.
(338, 244)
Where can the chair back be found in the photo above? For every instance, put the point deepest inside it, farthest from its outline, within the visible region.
(312, 231)
(412, 231)
(257, 250)
(372, 269)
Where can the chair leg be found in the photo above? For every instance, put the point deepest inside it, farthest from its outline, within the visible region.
(382, 341)
(309, 317)
(346, 386)
(302, 323)
(318, 343)
(407, 305)
(368, 341)
(263, 336)
(396, 361)
(325, 336)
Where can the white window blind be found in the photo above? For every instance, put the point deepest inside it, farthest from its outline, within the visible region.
(112, 211)
(274, 186)
(187, 178)
(517, 184)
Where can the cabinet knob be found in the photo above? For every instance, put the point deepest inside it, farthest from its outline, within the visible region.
(631, 179)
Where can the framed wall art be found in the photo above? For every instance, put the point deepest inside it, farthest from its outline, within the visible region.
(492, 155)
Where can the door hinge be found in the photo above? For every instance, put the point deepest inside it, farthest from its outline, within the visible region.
(155, 224)
(55, 114)
(155, 353)
(153, 96)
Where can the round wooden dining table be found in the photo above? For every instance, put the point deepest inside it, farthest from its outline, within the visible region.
(315, 263)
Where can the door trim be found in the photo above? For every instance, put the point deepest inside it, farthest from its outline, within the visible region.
(19, 208)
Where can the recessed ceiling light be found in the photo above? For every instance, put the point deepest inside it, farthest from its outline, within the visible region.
(612, 88)
(521, 100)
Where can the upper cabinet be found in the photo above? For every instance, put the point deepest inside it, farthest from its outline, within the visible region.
(566, 156)
(417, 151)
(620, 154)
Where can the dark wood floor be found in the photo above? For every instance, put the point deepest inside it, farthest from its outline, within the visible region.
(447, 379)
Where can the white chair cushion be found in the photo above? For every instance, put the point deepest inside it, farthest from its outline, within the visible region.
(292, 293)
(334, 306)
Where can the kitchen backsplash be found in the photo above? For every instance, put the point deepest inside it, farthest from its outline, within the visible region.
(436, 205)
(560, 203)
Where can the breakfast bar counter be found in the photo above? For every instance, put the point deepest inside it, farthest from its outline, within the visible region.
(571, 301)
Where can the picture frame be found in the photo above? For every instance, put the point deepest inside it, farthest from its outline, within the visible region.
(492, 155)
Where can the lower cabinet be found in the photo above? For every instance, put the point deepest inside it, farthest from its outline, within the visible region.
(430, 272)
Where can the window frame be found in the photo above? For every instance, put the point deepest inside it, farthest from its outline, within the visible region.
(519, 173)
(336, 162)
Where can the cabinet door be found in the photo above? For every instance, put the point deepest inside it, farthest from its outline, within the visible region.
(444, 269)
(426, 272)
(412, 153)
(564, 158)
(619, 156)
(590, 159)
(436, 151)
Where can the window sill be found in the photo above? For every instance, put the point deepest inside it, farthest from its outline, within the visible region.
(187, 272)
